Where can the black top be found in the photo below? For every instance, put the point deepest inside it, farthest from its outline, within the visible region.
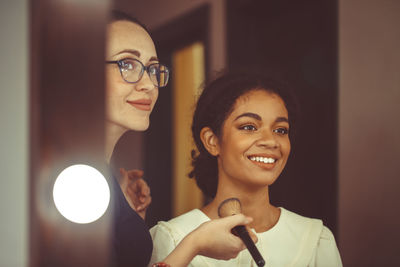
(131, 241)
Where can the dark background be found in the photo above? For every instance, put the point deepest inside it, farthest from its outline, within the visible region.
(298, 41)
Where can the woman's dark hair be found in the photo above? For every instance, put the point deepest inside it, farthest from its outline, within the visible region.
(117, 15)
(214, 105)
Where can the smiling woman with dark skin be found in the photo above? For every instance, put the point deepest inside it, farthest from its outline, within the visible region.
(134, 77)
(241, 128)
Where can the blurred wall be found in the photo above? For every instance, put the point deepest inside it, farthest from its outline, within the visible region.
(158, 12)
(14, 132)
(369, 132)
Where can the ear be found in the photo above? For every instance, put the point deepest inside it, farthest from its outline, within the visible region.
(210, 141)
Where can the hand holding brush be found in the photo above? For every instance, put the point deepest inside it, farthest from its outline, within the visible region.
(232, 206)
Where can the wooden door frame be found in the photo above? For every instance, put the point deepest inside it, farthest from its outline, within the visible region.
(182, 31)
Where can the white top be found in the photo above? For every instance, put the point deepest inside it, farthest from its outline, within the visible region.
(294, 241)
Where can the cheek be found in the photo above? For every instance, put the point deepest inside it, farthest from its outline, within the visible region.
(287, 148)
(154, 96)
(117, 92)
(115, 86)
(112, 97)
(115, 100)
(234, 146)
(111, 91)
(112, 78)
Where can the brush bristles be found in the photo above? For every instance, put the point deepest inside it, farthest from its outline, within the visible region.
(228, 207)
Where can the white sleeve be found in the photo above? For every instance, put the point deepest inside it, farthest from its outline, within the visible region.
(326, 253)
(164, 242)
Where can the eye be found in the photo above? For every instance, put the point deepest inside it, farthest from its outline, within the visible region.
(281, 131)
(248, 127)
(129, 64)
(153, 69)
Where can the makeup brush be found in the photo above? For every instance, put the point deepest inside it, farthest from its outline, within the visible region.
(232, 206)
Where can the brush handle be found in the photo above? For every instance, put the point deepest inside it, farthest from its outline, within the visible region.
(241, 231)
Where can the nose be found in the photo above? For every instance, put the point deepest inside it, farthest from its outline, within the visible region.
(267, 139)
(145, 83)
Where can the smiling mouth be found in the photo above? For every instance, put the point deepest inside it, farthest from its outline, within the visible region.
(265, 160)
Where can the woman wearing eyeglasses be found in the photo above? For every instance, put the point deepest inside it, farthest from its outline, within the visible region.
(134, 76)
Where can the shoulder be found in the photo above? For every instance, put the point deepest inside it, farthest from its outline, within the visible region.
(316, 241)
(300, 225)
(327, 252)
(327, 234)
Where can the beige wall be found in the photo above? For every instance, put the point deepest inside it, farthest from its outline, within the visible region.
(14, 133)
(369, 132)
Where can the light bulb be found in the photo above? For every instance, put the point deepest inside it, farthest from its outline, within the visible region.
(81, 193)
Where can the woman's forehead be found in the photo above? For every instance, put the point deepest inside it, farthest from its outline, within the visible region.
(264, 99)
(125, 35)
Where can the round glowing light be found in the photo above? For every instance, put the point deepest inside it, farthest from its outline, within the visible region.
(81, 193)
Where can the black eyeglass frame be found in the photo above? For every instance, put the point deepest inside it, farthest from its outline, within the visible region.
(144, 68)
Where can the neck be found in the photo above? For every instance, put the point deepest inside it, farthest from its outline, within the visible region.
(255, 203)
(113, 133)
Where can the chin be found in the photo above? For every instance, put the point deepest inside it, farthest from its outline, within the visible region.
(264, 181)
(142, 126)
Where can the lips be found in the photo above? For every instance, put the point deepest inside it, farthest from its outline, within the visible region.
(141, 104)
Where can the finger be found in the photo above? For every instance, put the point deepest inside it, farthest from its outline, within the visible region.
(142, 190)
(252, 235)
(123, 179)
(145, 205)
(240, 245)
(135, 174)
(142, 214)
(144, 187)
(238, 219)
(236, 244)
(146, 202)
(122, 171)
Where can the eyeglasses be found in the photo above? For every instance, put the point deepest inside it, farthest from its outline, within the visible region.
(132, 71)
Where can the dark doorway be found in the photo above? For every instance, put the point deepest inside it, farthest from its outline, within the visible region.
(299, 40)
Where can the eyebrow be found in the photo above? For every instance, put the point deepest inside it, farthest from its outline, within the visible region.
(282, 119)
(249, 114)
(135, 53)
(258, 117)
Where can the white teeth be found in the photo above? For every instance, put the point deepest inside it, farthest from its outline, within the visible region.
(263, 159)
